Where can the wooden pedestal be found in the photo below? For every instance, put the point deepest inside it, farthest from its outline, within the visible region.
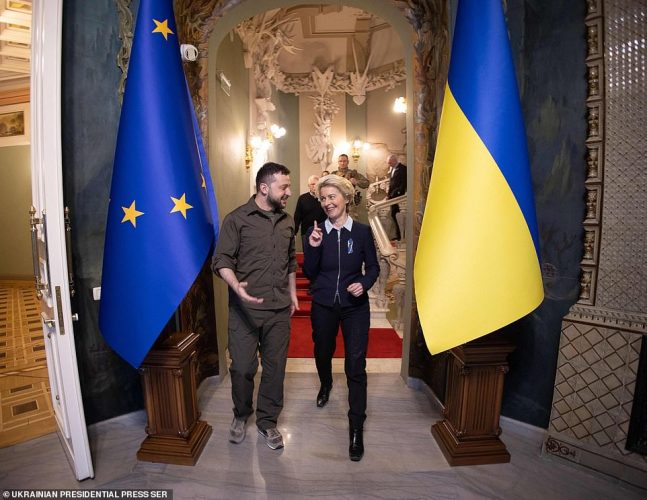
(469, 434)
(175, 435)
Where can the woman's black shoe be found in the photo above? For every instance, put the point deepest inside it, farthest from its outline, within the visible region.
(323, 396)
(356, 448)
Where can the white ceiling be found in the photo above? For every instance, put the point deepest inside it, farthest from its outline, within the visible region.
(15, 42)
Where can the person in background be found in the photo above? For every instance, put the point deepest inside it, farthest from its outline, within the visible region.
(341, 262)
(255, 255)
(397, 186)
(356, 179)
(308, 209)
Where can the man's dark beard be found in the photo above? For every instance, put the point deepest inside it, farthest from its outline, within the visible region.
(274, 203)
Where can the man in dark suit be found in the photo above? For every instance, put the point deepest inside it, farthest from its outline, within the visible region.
(308, 209)
(397, 186)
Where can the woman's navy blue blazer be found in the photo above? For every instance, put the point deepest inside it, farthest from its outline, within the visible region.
(333, 260)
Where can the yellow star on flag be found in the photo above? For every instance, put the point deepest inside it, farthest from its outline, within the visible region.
(162, 27)
(181, 205)
(131, 214)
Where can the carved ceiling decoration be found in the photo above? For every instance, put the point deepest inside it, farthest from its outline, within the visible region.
(15, 41)
(269, 36)
(277, 42)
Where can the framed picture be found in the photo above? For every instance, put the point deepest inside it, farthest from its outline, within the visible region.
(14, 124)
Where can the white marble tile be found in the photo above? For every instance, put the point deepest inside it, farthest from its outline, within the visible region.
(373, 365)
(402, 460)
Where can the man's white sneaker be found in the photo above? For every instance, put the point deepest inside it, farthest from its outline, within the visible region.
(273, 438)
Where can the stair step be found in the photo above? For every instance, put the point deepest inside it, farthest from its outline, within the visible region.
(304, 309)
(303, 284)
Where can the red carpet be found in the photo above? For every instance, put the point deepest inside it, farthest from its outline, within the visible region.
(382, 342)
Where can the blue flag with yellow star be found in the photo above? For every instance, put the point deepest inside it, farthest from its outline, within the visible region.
(159, 229)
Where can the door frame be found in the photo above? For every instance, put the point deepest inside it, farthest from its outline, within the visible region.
(47, 195)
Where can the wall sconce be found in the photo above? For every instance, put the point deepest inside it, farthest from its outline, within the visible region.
(354, 152)
(356, 146)
(277, 131)
(249, 156)
(400, 105)
(256, 145)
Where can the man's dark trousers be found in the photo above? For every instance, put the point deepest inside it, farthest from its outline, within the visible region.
(269, 332)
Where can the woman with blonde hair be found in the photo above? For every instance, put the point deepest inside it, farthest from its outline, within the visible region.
(341, 262)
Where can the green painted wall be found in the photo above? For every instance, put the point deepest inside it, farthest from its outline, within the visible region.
(286, 149)
(15, 200)
(228, 130)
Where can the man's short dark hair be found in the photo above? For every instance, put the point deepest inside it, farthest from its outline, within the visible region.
(343, 154)
(268, 171)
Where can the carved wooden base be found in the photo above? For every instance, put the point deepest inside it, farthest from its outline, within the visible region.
(175, 449)
(175, 435)
(457, 451)
(469, 434)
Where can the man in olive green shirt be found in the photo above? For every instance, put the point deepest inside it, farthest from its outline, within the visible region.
(356, 179)
(255, 255)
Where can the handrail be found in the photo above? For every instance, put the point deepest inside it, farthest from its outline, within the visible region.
(387, 203)
(379, 233)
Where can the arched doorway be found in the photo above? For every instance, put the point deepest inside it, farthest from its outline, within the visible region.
(423, 29)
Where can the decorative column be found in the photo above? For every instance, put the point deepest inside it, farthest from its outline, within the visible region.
(175, 433)
(469, 433)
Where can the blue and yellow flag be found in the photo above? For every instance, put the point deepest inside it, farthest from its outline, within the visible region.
(477, 262)
(159, 229)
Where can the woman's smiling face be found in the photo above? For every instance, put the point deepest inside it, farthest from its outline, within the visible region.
(333, 202)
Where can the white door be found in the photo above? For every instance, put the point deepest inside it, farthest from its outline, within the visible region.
(48, 234)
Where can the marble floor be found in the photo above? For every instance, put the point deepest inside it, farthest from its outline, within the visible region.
(402, 459)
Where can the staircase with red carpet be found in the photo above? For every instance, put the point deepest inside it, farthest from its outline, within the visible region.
(305, 300)
(382, 343)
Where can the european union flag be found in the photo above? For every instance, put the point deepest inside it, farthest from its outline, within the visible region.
(159, 229)
(477, 262)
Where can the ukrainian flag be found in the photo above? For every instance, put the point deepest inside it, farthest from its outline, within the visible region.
(160, 227)
(477, 262)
